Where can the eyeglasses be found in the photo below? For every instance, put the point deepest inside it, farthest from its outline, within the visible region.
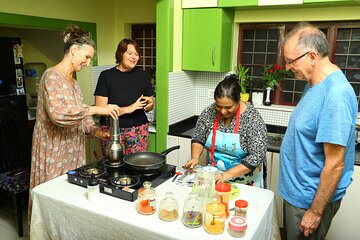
(294, 60)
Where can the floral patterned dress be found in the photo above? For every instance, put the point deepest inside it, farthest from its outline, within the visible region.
(61, 125)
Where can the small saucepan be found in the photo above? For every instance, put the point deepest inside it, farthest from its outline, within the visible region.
(147, 162)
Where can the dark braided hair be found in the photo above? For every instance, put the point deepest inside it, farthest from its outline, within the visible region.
(229, 87)
(75, 35)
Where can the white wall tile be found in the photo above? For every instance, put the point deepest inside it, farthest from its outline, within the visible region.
(188, 96)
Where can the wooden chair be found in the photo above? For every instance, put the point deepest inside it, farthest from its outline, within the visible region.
(14, 191)
(15, 154)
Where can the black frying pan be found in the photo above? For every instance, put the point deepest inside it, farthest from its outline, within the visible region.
(147, 162)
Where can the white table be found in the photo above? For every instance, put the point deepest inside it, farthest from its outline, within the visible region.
(61, 211)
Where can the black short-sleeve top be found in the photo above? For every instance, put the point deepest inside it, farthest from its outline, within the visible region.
(123, 89)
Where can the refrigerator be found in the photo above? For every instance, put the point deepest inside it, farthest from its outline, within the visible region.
(15, 137)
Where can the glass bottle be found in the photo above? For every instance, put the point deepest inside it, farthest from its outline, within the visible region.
(93, 188)
(223, 194)
(146, 199)
(192, 211)
(215, 216)
(169, 208)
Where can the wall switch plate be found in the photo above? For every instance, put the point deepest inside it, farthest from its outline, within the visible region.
(210, 93)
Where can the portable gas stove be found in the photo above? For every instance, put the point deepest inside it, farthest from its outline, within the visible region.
(118, 181)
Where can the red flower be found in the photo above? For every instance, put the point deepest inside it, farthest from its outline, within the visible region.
(277, 67)
(272, 75)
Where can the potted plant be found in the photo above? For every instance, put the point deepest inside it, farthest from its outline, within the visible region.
(272, 76)
(244, 80)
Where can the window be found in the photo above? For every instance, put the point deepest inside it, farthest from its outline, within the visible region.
(260, 44)
(145, 36)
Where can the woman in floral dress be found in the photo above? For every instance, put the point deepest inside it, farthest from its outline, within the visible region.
(62, 119)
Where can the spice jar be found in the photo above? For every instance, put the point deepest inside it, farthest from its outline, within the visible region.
(192, 211)
(215, 216)
(237, 226)
(204, 183)
(241, 208)
(169, 208)
(223, 194)
(93, 188)
(146, 199)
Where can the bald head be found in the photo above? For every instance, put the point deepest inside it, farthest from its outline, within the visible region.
(308, 37)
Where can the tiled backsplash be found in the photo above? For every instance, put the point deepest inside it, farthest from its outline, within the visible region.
(191, 92)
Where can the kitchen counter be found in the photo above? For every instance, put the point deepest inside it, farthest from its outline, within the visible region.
(61, 210)
(275, 134)
(186, 129)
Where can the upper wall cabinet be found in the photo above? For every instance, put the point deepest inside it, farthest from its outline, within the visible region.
(330, 1)
(199, 3)
(237, 3)
(254, 3)
(207, 39)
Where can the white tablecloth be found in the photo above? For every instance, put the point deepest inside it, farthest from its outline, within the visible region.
(61, 210)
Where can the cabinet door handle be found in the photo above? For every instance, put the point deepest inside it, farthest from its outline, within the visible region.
(213, 56)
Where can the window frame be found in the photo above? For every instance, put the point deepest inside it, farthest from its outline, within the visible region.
(331, 27)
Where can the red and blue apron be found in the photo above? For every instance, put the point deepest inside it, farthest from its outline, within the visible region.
(224, 151)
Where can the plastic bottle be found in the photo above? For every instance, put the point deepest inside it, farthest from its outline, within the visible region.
(169, 208)
(146, 199)
(192, 211)
(93, 188)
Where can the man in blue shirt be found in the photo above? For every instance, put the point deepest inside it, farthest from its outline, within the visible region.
(318, 150)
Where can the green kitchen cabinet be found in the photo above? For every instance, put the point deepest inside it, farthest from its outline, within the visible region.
(237, 3)
(152, 138)
(207, 39)
(329, 1)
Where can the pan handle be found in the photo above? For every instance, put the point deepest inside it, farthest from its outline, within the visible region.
(165, 152)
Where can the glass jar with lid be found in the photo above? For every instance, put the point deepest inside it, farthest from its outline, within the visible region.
(223, 191)
(215, 216)
(237, 226)
(169, 208)
(146, 199)
(205, 183)
(192, 211)
(241, 208)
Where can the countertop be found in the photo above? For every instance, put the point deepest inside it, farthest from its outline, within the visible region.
(275, 135)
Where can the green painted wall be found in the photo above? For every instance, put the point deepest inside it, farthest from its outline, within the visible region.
(109, 21)
(111, 17)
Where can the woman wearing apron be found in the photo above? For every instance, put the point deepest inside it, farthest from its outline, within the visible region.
(234, 136)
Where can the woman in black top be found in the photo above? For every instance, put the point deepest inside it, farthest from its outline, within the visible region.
(130, 88)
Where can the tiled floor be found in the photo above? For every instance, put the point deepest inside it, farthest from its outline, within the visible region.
(8, 228)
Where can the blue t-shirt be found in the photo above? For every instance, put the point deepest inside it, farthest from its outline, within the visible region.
(326, 113)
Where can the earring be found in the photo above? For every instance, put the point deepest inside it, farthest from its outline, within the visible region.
(72, 60)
